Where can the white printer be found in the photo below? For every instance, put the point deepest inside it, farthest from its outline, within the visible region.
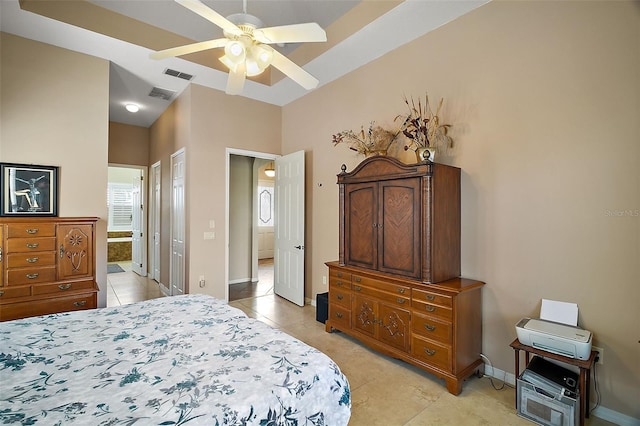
(558, 338)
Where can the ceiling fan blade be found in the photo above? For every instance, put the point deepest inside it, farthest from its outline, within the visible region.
(296, 33)
(235, 82)
(211, 15)
(293, 71)
(189, 48)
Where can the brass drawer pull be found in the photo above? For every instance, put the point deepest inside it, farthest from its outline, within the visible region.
(33, 245)
(357, 279)
(32, 276)
(32, 230)
(339, 314)
(400, 300)
(339, 283)
(429, 352)
(1, 292)
(357, 288)
(401, 290)
(430, 327)
(339, 274)
(64, 286)
(431, 297)
(340, 297)
(80, 304)
(430, 308)
(32, 259)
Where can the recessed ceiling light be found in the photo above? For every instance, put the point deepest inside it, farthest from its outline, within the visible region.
(132, 107)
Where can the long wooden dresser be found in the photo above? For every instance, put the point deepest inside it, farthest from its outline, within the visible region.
(48, 266)
(396, 286)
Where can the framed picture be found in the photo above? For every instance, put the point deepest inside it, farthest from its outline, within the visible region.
(28, 190)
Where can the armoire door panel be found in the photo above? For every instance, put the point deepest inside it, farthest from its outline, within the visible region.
(361, 205)
(399, 247)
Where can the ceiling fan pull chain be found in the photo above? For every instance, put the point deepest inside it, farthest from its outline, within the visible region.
(244, 6)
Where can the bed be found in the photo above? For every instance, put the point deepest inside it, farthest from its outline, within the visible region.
(188, 359)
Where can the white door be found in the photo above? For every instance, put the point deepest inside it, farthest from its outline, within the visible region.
(177, 265)
(289, 228)
(155, 221)
(136, 225)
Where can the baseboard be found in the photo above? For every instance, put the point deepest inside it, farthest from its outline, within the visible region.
(603, 413)
(241, 280)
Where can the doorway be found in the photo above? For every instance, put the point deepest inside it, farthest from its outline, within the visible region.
(250, 215)
(126, 223)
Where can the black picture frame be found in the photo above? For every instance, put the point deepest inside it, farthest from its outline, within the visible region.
(28, 190)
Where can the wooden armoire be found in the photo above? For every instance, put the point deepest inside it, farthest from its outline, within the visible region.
(396, 285)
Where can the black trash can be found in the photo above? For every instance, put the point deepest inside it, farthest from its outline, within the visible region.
(322, 307)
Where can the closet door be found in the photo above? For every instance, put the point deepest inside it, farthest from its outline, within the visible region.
(361, 224)
(399, 227)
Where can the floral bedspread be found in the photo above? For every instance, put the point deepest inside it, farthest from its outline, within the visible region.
(188, 359)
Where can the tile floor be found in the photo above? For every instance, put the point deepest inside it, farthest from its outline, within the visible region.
(384, 391)
(128, 287)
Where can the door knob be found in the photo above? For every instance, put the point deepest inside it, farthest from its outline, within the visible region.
(299, 247)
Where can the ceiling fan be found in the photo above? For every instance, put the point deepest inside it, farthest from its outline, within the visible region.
(246, 45)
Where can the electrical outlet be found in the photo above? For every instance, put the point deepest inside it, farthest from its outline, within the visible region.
(600, 355)
(324, 279)
(201, 281)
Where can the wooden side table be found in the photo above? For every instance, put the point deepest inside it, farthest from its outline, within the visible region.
(583, 365)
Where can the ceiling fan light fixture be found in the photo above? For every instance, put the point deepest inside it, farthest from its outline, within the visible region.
(235, 51)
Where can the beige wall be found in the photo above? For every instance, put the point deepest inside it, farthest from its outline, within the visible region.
(128, 144)
(54, 110)
(167, 135)
(545, 99)
(206, 122)
(241, 221)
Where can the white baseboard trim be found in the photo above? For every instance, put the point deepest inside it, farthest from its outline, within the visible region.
(601, 412)
(240, 280)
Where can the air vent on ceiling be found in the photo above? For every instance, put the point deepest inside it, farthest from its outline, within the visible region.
(165, 94)
(182, 75)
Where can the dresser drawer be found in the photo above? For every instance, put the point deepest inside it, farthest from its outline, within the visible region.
(24, 230)
(339, 275)
(31, 275)
(11, 293)
(432, 310)
(32, 308)
(431, 328)
(432, 298)
(340, 296)
(25, 260)
(29, 245)
(336, 282)
(392, 298)
(63, 287)
(339, 316)
(433, 353)
(386, 286)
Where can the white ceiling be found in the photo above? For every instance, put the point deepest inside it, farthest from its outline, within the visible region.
(133, 74)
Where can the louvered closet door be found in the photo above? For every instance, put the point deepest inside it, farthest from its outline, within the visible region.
(361, 226)
(399, 227)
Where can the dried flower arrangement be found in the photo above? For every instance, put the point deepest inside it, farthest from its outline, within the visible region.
(375, 140)
(422, 127)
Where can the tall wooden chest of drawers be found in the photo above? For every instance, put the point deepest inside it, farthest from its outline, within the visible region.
(48, 266)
